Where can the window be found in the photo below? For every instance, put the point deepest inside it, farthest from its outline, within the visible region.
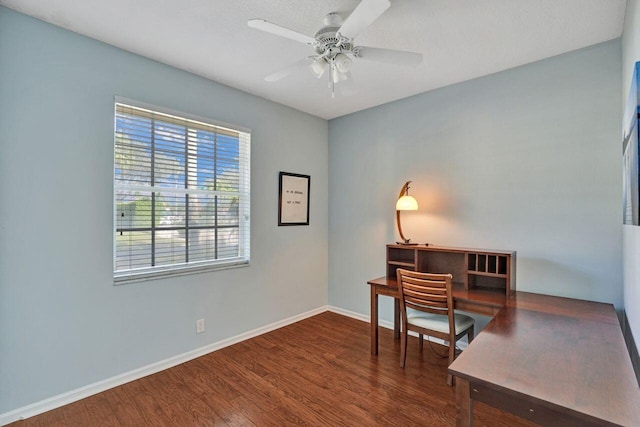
(181, 191)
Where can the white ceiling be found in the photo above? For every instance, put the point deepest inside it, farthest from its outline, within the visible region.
(460, 40)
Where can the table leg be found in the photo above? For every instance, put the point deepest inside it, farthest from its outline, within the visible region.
(396, 318)
(464, 404)
(374, 321)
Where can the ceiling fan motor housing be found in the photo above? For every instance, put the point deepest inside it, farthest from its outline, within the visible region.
(327, 35)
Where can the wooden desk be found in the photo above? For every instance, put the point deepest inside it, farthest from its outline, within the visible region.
(555, 361)
(480, 301)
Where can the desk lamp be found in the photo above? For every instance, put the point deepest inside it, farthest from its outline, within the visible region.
(405, 203)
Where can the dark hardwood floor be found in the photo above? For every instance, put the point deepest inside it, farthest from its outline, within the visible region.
(316, 372)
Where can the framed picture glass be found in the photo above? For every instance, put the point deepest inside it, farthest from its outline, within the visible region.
(293, 199)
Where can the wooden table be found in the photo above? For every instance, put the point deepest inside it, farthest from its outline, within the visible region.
(555, 361)
(480, 301)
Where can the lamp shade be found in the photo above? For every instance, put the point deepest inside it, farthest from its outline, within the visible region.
(406, 203)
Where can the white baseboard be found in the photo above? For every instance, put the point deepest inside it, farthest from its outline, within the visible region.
(354, 315)
(100, 386)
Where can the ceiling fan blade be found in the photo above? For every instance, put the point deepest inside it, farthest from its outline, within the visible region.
(284, 72)
(391, 56)
(363, 15)
(267, 26)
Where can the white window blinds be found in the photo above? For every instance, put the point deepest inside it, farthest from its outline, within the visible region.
(181, 194)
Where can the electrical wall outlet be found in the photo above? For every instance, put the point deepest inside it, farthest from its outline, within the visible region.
(199, 326)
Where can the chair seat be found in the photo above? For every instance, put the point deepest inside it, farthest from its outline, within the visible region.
(439, 322)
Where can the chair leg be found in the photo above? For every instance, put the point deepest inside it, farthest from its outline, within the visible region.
(403, 347)
(421, 340)
(470, 335)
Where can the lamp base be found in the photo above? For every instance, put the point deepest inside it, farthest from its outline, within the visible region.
(407, 243)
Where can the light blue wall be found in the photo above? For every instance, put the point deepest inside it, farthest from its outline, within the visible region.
(527, 159)
(631, 233)
(62, 322)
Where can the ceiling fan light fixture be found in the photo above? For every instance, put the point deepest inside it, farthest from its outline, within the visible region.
(337, 76)
(318, 67)
(342, 62)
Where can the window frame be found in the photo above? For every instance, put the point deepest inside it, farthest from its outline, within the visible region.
(243, 194)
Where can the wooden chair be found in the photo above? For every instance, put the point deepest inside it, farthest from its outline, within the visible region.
(426, 306)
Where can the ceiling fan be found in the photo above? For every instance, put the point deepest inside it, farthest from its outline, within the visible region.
(334, 44)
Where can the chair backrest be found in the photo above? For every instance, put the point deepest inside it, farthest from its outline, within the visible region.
(425, 292)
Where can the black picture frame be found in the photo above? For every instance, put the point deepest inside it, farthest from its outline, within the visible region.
(293, 199)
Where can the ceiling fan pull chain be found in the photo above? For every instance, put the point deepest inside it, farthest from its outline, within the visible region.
(332, 85)
(332, 80)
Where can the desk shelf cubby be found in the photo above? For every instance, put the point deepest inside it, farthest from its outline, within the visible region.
(488, 270)
(400, 257)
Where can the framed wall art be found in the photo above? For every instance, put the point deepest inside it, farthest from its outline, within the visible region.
(630, 148)
(293, 199)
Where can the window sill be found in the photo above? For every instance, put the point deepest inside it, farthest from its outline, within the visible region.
(143, 276)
